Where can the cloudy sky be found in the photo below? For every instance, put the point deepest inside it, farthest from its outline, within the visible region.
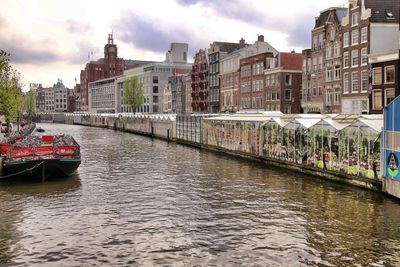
(50, 39)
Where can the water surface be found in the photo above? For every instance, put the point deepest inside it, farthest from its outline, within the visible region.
(141, 202)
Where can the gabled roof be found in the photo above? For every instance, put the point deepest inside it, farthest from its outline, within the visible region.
(381, 8)
(290, 61)
(324, 15)
(226, 47)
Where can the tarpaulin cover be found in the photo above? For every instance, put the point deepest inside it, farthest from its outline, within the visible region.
(66, 150)
(47, 138)
(43, 151)
(4, 149)
(22, 152)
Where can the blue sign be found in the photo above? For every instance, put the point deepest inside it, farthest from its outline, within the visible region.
(391, 131)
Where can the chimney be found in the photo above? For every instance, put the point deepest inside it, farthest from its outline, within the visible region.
(260, 38)
(242, 43)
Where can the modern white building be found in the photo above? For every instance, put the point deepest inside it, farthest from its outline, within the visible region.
(154, 77)
(102, 96)
(107, 95)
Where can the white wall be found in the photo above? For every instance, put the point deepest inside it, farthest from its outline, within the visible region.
(384, 38)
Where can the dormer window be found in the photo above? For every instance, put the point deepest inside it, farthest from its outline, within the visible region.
(354, 19)
(389, 14)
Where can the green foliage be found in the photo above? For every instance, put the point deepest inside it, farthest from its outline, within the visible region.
(133, 93)
(10, 90)
(30, 104)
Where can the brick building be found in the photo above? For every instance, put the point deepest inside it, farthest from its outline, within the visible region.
(321, 64)
(199, 81)
(251, 80)
(229, 72)
(385, 79)
(283, 79)
(109, 66)
(370, 27)
(216, 52)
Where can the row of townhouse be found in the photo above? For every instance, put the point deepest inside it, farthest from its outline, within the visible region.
(351, 68)
(349, 48)
(53, 99)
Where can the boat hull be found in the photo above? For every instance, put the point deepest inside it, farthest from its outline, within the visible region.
(40, 169)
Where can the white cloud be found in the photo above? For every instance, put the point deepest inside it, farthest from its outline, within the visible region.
(69, 28)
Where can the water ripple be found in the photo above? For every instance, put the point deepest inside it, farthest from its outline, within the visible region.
(142, 202)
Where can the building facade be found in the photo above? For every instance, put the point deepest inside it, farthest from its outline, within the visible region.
(154, 78)
(251, 80)
(102, 96)
(322, 64)
(216, 52)
(384, 81)
(199, 82)
(229, 72)
(60, 97)
(333, 61)
(367, 24)
(109, 66)
(40, 99)
(283, 81)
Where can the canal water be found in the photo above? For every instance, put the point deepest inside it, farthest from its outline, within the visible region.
(142, 202)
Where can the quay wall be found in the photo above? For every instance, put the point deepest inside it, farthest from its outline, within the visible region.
(192, 130)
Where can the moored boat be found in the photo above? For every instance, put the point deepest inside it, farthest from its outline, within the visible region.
(40, 158)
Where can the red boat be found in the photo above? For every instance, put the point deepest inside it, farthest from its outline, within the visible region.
(40, 158)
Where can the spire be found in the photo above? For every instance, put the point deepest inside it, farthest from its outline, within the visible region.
(110, 38)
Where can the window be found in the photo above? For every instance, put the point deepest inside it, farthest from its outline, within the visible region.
(155, 89)
(287, 109)
(337, 96)
(315, 42)
(389, 14)
(354, 19)
(320, 63)
(155, 99)
(314, 64)
(345, 39)
(336, 49)
(364, 56)
(364, 81)
(345, 59)
(389, 96)
(328, 51)
(321, 41)
(364, 34)
(354, 58)
(337, 72)
(377, 99)
(268, 80)
(288, 94)
(354, 37)
(329, 74)
(288, 79)
(389, 74)
(354, 82)
(377, 76)
(155, 79)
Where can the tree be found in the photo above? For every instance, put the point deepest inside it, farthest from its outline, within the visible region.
(10, 90)
(133, 93)
(30, 104)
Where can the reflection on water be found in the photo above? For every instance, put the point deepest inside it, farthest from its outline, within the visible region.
(140, 202)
